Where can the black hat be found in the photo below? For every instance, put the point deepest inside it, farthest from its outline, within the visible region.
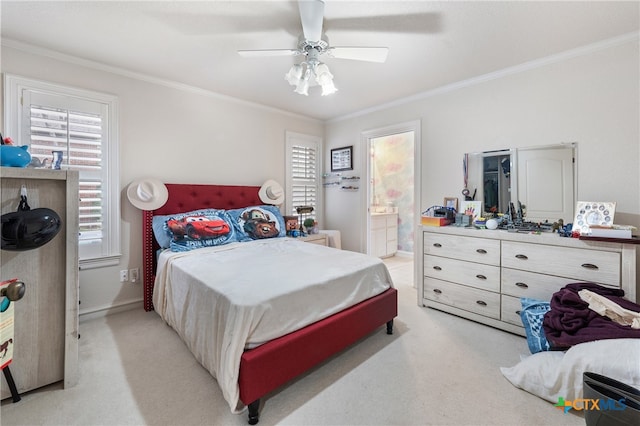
(30, 229)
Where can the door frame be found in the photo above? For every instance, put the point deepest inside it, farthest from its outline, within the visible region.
(366, 137)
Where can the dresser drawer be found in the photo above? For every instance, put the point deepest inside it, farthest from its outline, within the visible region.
(510, 310)
(477, 275)
(470, 299)
(580, 265)
(519, 283)
(471, 249)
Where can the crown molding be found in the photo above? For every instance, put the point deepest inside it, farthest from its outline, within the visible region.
(63, 57)
(537, 63)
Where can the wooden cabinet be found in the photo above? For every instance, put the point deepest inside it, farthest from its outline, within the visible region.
(384, 234)
(46, 318)
(481, 274)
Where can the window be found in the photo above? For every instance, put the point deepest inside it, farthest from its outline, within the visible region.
(82, 125)
(303, 173)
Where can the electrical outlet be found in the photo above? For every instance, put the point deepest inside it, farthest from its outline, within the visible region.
(134, 274)
(124, 275)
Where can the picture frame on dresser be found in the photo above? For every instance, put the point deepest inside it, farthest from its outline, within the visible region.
(451, 202)
(472, 208)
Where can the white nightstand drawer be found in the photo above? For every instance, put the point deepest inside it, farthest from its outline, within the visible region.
(470, 299)
(471, 249)
(477, 275)
(588, 265)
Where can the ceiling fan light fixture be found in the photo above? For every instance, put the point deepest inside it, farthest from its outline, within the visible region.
(294, 75)
(322, 73)
(325, 79)
(302, 87)
(328, 88)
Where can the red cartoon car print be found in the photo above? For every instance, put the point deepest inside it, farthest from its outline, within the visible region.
(197, 227)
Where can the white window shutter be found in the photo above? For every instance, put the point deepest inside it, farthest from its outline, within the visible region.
(303, 173)
(83, 126)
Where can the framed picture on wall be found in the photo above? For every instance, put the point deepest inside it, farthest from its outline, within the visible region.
(342, 159)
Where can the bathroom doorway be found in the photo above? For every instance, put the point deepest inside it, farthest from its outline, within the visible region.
(391, 188)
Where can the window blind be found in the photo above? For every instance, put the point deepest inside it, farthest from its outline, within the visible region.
(304, 177)
(79, 136)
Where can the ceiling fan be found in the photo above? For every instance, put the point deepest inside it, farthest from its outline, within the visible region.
(312, 45)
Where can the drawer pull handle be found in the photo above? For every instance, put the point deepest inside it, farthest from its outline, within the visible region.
(481, 277)
(437, 268)
(521, 256)
(437, 245)
(481, 302)
(590, 266)
(481, 251)
(437, 291)
(518, 312)
(522, 285)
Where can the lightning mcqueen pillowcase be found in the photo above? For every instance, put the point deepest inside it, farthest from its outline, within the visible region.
(200, 228)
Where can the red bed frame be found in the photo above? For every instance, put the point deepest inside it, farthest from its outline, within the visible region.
(272, 364)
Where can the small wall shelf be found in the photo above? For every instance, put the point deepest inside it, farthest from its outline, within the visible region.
(344, 182)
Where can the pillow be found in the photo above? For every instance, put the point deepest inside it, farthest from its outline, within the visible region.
(200, 228)
(160, 231)
(532, 314)
(555, 374)
(258, 222)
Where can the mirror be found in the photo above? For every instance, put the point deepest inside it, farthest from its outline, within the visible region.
(542, 179)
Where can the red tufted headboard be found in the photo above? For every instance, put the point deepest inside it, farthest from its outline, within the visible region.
(184, 198)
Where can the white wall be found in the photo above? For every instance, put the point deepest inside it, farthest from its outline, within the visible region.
(179, 135)
(188, 136)
(592, 99)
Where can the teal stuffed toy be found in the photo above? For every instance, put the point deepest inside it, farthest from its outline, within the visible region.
(13, 156)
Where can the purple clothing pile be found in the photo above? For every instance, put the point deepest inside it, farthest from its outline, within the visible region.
(570, 321)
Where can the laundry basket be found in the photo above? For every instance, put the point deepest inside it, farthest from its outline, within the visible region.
(626, 409)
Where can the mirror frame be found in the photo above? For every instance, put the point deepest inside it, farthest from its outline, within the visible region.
(474, 174)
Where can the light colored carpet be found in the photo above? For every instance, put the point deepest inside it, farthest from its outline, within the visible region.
(435, 369)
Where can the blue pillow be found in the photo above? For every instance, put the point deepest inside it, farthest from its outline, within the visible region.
(161, 232)
(532, 315)
(200, 228)
(258, 222)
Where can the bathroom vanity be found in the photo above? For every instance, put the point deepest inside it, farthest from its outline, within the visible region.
(384, 234)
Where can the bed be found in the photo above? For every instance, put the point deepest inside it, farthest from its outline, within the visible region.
(271, 359)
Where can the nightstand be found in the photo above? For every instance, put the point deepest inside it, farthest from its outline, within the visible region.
(315, 239)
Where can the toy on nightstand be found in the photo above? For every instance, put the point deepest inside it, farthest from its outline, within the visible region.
(291, 224)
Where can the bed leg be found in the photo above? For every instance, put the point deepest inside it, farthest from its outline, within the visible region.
(390, 327)
(253, 412)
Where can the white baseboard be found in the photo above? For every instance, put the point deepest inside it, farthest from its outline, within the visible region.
(109, 310)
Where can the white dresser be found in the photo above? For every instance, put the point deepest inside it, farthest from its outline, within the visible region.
(481, 274)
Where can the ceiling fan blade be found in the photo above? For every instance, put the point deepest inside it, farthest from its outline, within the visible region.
(311, 16)
(370, 54)
(268, 52)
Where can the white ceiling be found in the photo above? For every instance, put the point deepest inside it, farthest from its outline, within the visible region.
(431, 44)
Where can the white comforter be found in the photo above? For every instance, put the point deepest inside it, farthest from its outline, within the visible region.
(224, 299)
